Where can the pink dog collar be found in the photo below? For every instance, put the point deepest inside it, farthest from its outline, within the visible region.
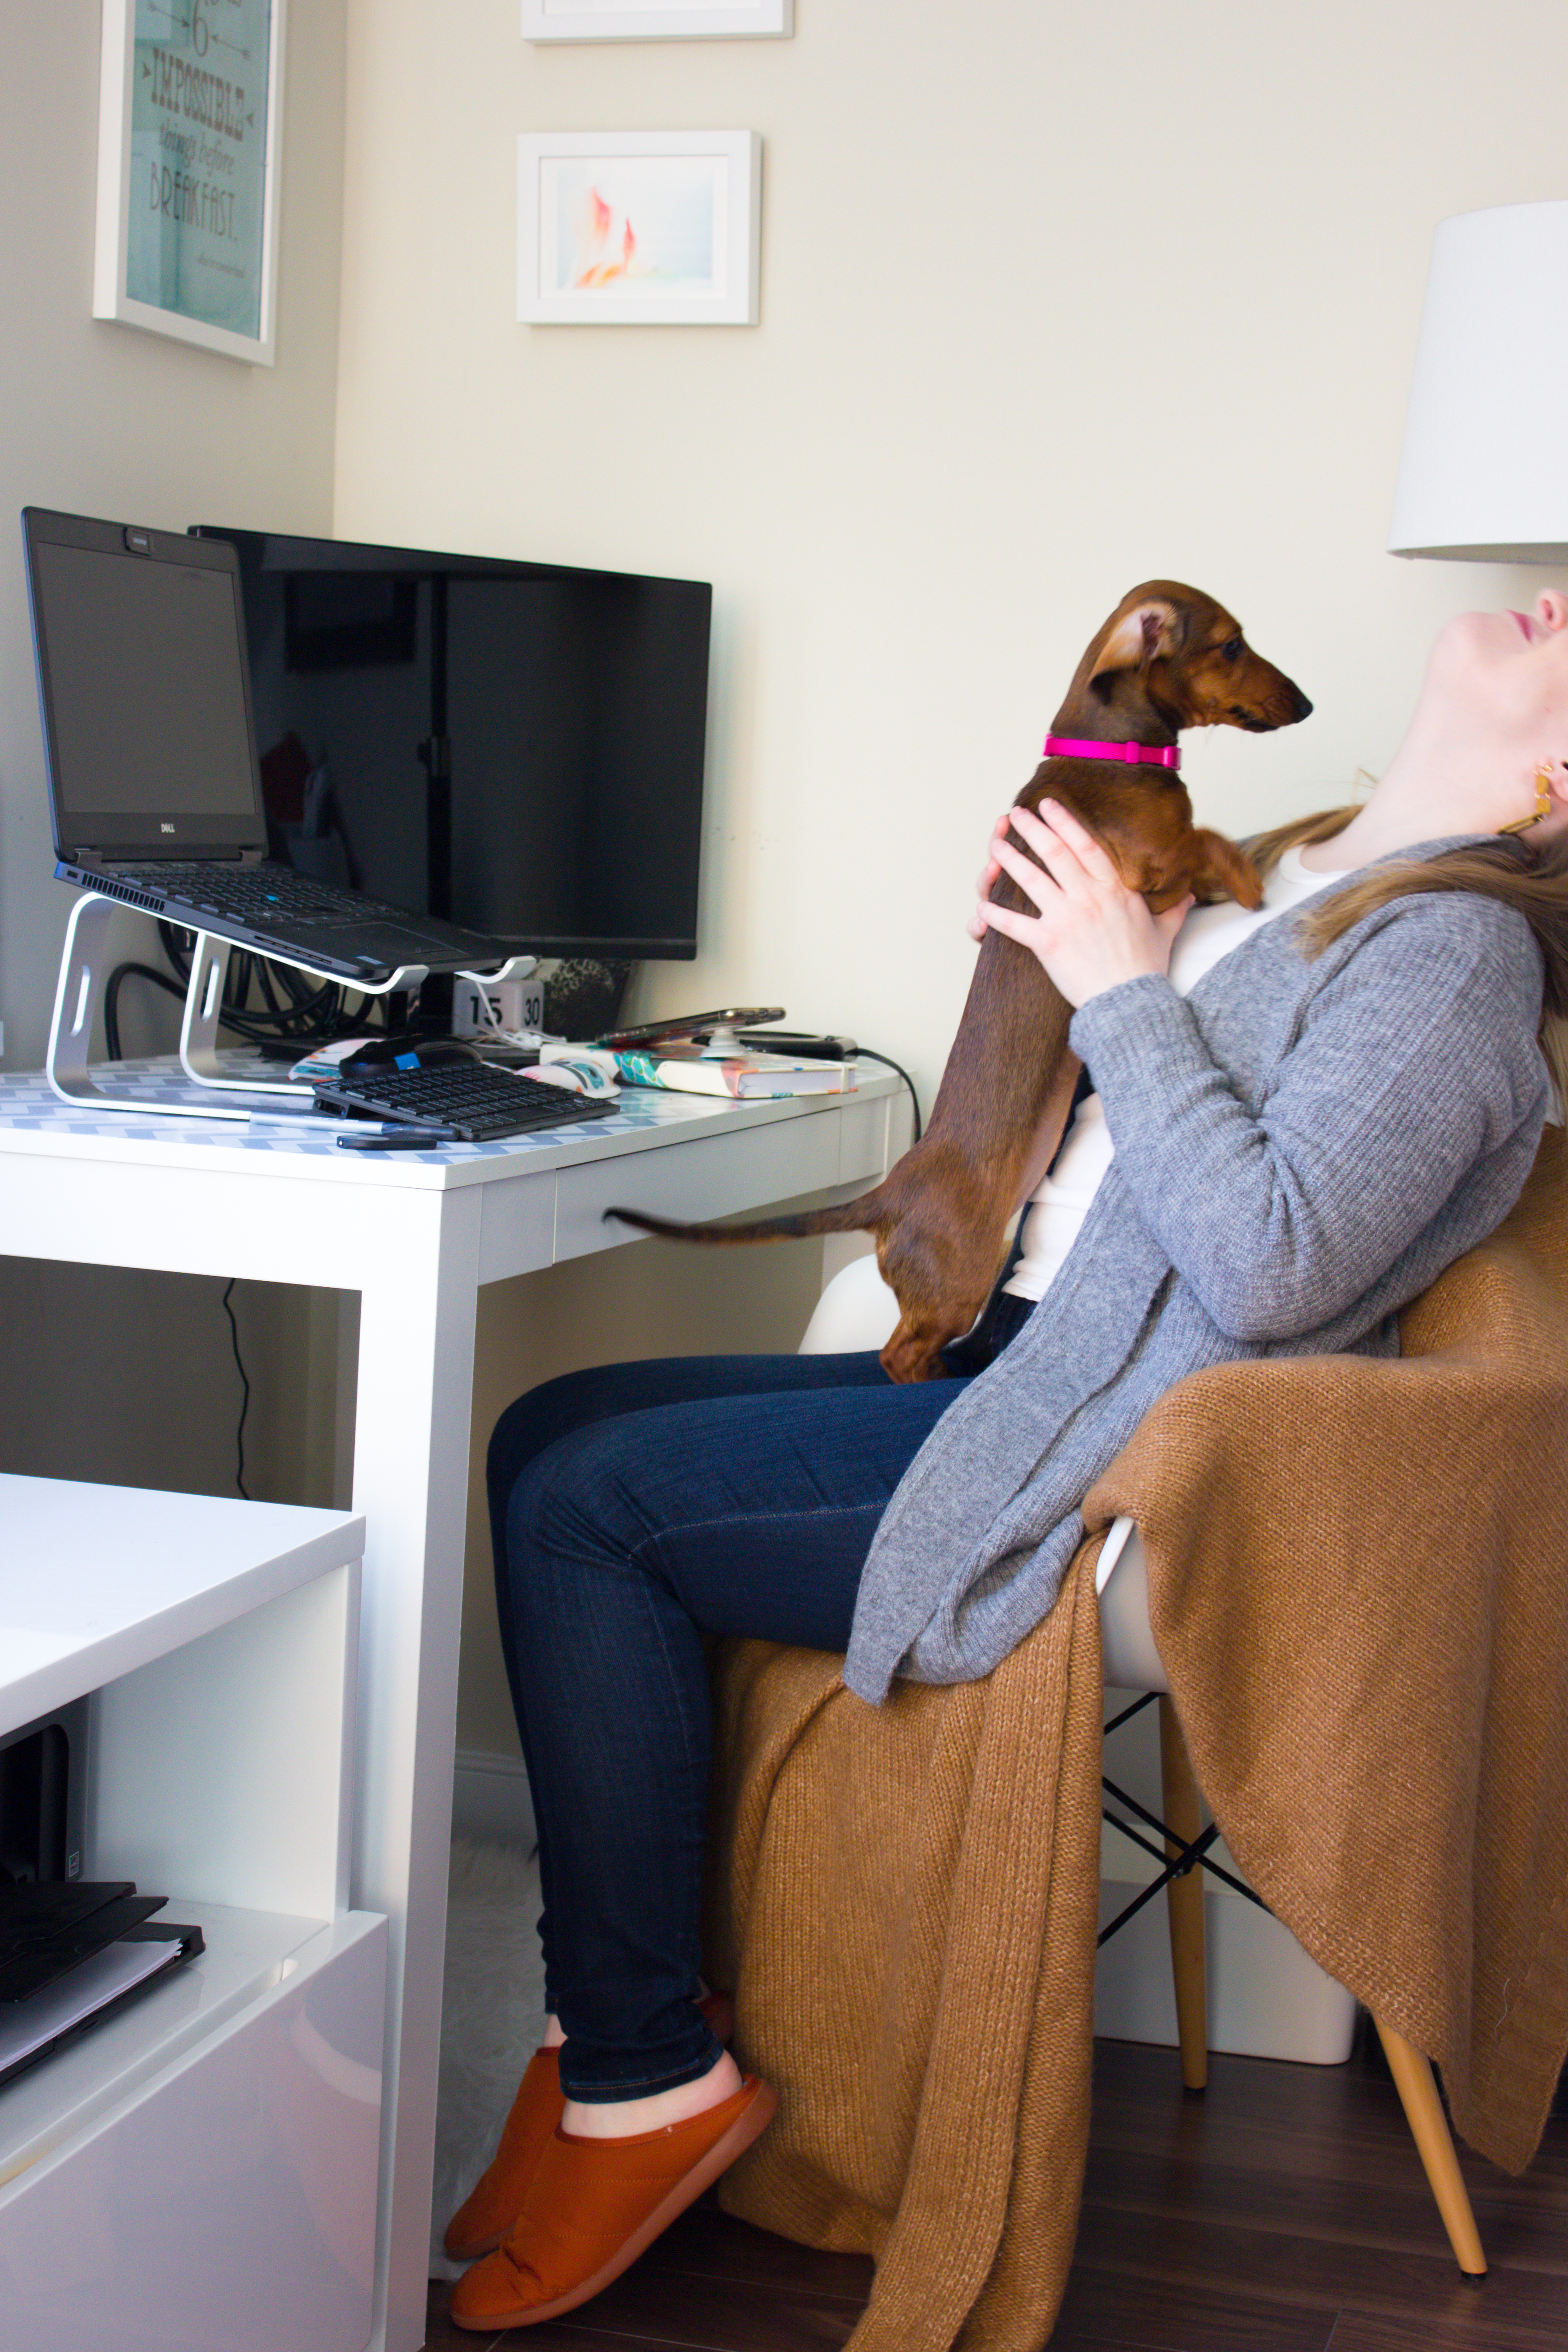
(1150, 755)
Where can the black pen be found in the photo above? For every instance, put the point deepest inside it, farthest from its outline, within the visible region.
(407, 1139)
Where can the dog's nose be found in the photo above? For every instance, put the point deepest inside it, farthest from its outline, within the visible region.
(1300, 707)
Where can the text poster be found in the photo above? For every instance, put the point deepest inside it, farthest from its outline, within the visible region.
(198, 159)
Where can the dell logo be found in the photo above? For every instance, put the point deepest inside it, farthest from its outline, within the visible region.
(165, 828)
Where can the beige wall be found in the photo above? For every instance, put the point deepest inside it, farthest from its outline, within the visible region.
(106, 1374)
(1054, 297)
(103, 419)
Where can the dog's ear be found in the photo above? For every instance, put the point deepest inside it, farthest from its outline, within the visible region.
(1148, 632)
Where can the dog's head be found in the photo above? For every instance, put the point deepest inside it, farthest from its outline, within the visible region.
(1173, 655)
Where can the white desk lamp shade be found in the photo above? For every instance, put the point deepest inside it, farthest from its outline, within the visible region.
(1483, 473)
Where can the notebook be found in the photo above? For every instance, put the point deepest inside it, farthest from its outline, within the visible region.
(98, 1988)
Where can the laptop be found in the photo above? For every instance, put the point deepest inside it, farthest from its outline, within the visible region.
(155, 787)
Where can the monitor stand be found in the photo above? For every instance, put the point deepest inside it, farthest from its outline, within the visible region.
(83, 970)
(77, 993)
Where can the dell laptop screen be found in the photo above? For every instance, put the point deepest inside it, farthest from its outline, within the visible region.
(144, 682)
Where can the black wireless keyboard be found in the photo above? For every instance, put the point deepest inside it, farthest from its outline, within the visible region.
(471, 1101)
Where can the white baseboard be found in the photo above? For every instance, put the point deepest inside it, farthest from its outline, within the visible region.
(490, 1801)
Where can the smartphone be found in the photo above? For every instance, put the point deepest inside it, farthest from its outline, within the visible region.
(802, 1042)
(689, 1025)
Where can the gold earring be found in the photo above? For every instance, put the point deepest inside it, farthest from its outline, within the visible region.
(1543, 803)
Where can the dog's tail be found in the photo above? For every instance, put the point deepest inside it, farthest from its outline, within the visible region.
(851, 1217)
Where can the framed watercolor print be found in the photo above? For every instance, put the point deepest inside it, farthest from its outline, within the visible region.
(639, 228)
(190, 136)
(656, 20)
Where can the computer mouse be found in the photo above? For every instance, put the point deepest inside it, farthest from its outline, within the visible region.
(407, 1053)
(576, 1074)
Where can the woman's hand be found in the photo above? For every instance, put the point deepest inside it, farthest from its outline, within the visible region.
(1089, 931)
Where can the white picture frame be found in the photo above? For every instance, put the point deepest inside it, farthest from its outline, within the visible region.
(656, 20)
(190, 143)
(639, 228)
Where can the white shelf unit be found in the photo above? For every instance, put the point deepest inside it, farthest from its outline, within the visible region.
(200, 2171)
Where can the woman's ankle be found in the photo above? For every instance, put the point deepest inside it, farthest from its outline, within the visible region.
(619, 2119)
(554, 2037)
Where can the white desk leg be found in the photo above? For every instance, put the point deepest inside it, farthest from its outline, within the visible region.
(415, 1376)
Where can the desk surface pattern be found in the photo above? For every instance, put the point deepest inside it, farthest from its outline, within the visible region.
(33, 1117)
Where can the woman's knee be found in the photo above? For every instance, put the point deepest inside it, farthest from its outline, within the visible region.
(540, 1416)
(524, 1434)
(566, 1511)
(529, 1423)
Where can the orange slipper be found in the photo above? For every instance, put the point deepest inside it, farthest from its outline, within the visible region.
(594, 2205)
(493, 2205)
(483, 2220)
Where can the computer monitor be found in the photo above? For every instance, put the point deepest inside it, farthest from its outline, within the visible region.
(517, 747)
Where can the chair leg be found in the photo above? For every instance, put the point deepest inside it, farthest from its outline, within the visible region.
(1434, 2144)
(1183, 1901)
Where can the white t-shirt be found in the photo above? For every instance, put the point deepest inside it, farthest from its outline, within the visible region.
(1054, 1213)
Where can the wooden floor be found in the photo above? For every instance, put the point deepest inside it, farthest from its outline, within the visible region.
(1282, 2211)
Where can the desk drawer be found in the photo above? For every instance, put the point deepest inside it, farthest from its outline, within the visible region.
(863, 1141)
(718, 1176)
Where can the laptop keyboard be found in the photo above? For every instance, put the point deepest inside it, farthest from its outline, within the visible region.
(255, 893)
(477, 1103)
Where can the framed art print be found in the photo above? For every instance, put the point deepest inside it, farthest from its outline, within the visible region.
(189, 142)
(656, 20)
(639, 228)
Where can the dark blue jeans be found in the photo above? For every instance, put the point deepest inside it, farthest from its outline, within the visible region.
(635, 1509)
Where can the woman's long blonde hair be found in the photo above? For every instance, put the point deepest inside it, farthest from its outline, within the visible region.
(1531, 878)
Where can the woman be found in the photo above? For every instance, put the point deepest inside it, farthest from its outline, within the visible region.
(1274, 1163)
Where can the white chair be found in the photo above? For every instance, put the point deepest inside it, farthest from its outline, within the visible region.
(857, 1311)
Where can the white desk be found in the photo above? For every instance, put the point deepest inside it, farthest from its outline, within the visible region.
(416, 1233)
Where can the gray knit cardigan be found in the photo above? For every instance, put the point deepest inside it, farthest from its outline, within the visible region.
(1300, 1149)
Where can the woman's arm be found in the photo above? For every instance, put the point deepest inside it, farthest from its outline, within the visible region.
(1416, 1061)
(1089, 931)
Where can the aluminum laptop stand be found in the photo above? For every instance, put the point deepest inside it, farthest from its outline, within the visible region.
(80, 988)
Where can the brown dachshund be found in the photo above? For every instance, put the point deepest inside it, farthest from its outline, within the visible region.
(1169, 657)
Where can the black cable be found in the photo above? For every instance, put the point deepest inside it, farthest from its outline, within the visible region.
(871, 1055)
(245, 1384)
(179, 946)
(313, 1016)
(315, 1012)
(760, 1041)
(123, 971)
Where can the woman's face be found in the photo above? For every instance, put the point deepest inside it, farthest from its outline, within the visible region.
(1502, 678)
